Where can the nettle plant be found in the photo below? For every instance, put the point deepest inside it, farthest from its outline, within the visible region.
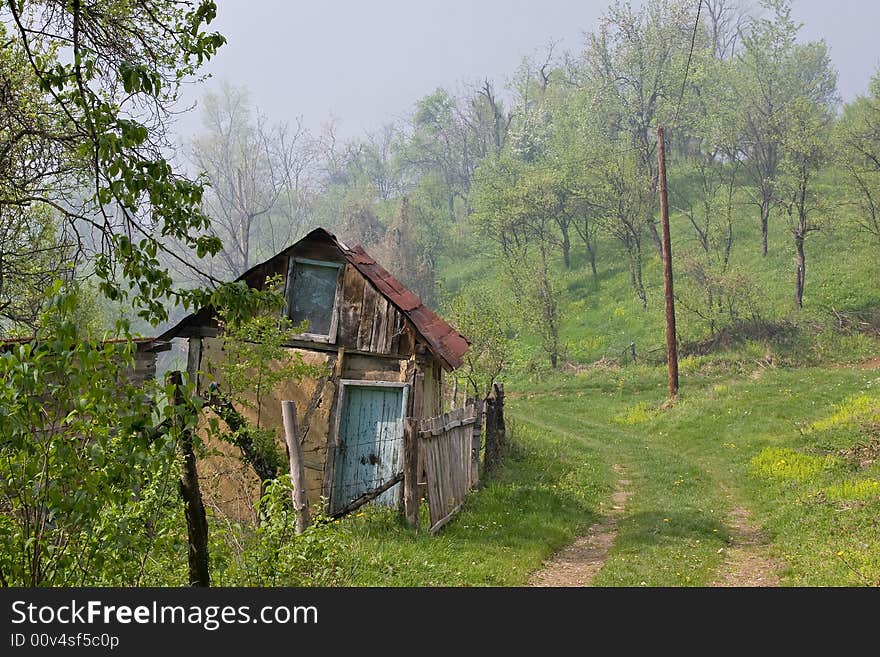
(274, 555)
(89, 492)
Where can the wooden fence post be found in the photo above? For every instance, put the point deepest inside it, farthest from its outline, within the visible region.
(418, 411)
(475, 442)
(193, 506)
(297, 470)
(500, 427)
(411, 472)
(491, 436)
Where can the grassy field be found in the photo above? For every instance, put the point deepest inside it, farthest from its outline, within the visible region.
(794, 446)
(779, 442)
(785, 427)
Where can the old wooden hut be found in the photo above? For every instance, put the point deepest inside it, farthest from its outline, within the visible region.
(384, 353)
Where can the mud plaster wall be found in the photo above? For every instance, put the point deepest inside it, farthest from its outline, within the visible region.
(229, 484)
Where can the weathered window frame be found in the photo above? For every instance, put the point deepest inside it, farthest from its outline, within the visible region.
(330, 337)
(333, 438)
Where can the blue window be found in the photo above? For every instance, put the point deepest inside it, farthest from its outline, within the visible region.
(313, 297)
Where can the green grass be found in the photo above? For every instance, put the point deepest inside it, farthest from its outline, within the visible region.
(738, 440)
(773, 424)
(546, 493)
(745, 441)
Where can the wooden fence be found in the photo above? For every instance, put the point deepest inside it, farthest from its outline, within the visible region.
(441, 458)
(446, 444)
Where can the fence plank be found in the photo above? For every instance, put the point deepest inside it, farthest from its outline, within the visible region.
(445, 445)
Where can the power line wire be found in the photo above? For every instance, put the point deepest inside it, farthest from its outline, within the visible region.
(690, 56)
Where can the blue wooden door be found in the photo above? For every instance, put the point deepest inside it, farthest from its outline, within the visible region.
(370, 447)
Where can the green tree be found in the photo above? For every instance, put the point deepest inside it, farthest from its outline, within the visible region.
(805, 150)
(774, 72)
(477, 312)
(623, 197)
(633, 64)
(704, 186)
(514, 205)
(34, 250)
(107, 73)
(88, 491)
(858, 137)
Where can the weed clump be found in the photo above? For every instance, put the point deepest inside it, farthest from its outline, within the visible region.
(787, 464)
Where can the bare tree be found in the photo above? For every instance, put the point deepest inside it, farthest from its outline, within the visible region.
(727, 21)
(261, 178)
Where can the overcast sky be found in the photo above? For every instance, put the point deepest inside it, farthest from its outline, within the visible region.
(365, 62)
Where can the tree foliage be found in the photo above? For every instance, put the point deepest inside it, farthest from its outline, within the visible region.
(89, 488)
(107, 73)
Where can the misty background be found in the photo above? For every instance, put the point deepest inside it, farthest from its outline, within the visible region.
(364, 64)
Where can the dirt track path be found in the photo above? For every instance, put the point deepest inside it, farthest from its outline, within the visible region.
(577, 563)
(747, 562)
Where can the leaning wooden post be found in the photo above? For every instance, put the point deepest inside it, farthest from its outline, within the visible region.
(475, 442)
(297, 470)
(411, 472)
(193, 506)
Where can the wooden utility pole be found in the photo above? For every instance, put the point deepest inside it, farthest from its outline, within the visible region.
(297, 469)
(671, 348)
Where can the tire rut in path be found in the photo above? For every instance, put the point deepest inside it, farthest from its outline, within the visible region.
(747, 562)
(577, 563)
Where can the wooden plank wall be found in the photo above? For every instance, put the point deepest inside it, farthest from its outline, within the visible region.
(446, 446)
(368, 321)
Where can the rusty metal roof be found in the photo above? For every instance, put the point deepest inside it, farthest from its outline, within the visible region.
(443, 341)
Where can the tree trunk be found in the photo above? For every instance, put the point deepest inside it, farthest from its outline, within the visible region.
(491, 455)
(500, 426)
(765, 219)
(655, 236)
(640, 284)
(193, 506)
(591, 255)
(566, 246)
(800, 270)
